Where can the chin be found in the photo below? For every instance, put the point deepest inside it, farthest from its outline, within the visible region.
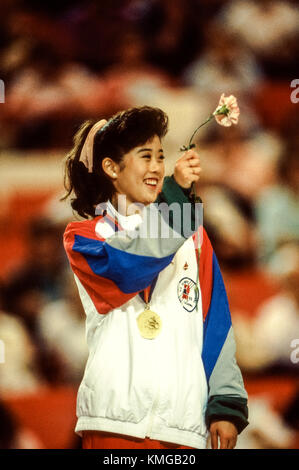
(150, 200)
(148, 197)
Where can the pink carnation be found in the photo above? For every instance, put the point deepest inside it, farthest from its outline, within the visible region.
(227, 111)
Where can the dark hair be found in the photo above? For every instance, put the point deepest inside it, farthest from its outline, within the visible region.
(123, 132)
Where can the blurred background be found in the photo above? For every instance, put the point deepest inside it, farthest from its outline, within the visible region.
(63, 62)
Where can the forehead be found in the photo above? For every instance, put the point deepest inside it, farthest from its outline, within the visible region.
(154, 143)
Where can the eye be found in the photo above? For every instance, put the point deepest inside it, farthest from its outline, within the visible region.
(146, 156)
(161, 157)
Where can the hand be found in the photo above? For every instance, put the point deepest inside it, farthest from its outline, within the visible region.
(187, 169)
(226, 431)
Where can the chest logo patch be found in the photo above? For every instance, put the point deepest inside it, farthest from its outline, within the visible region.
(187, 293)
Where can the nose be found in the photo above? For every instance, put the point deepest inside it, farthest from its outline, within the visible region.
(154, 166)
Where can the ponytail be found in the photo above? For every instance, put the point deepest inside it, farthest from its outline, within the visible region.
(89, 188)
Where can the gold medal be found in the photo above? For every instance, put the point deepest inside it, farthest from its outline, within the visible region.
(149, 324)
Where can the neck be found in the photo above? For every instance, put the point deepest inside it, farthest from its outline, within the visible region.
(124, 206)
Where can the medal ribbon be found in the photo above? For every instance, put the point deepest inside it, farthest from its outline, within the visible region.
(146, 293)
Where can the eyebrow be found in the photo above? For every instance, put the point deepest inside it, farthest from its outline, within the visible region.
(148, 150)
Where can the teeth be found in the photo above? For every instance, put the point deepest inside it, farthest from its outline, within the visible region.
(151, 182)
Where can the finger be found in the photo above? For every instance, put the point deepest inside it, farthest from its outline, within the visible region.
(214, 440)
(192, 172)
(224, 442)
(195, 170)
(232, 443)
(191, 152)
(194, 162)
(185, 163)
(194, 178)
(188, 155)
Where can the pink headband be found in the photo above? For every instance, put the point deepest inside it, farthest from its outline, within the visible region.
(86, 155)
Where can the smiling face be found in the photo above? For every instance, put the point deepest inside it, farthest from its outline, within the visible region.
(141, 172)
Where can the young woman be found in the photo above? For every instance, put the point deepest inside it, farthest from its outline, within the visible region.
(161, 371)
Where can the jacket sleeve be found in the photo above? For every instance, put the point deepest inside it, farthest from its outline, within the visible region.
(227, 398)
(114, 269)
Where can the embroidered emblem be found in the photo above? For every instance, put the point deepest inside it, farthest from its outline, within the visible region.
(186, 266)
(187, 293)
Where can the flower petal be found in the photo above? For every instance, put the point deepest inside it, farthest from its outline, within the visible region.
(232, 116)
(223, 120)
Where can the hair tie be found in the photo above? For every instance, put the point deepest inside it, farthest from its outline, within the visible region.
(86, 156)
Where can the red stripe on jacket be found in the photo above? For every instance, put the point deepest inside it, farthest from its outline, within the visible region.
(206, 273)
(103, 292)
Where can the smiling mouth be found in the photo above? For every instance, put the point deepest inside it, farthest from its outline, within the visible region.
(151, 182)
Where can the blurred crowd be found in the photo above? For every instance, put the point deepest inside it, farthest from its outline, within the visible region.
(63, 62)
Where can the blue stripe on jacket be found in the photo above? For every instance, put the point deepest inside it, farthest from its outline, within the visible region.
(130, 272)
(217, 322)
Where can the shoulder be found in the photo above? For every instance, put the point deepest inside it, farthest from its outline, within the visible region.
(84, 228)
(81, 227)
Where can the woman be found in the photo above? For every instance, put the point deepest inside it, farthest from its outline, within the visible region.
(157, 376)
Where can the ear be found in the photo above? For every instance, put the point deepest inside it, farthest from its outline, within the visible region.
(110, 167)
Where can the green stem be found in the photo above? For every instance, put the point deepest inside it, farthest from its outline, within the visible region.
(205, 122)
(193, 191)
(222, 110)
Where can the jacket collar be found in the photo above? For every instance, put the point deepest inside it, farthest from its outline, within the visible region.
(129, 222)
